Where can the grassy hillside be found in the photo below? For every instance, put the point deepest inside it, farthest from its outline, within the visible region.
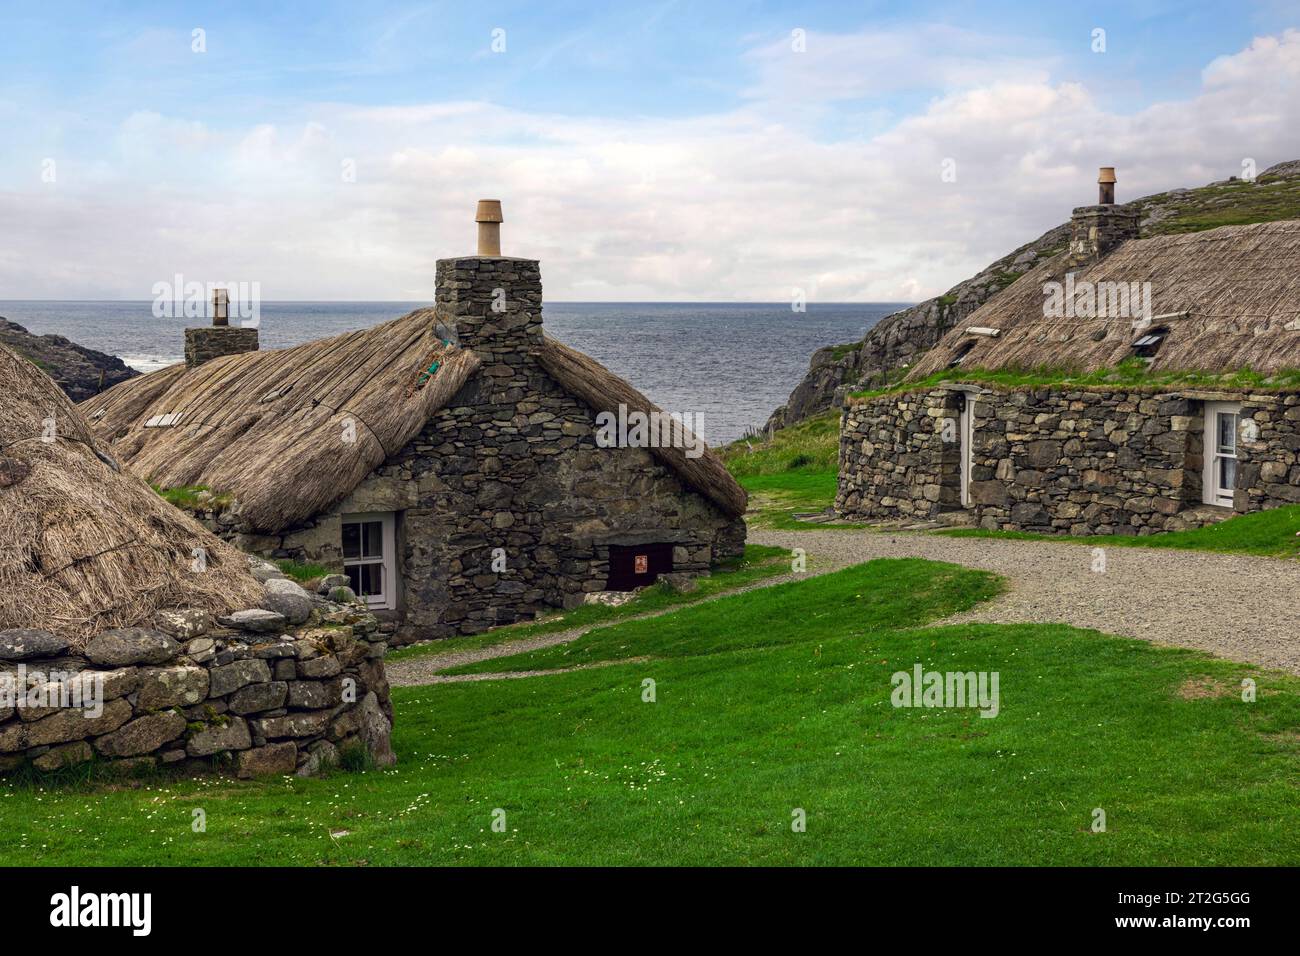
(755, 721)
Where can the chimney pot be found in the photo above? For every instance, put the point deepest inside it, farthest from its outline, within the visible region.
(489, 219)
(1106, 186)
(220, 307)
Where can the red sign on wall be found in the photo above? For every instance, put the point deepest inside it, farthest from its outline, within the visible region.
(641, 563)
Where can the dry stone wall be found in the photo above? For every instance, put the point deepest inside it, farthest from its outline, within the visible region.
(1076, 461)
(259, 692)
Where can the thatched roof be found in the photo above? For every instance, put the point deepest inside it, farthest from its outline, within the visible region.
(267, 428)
(290, 432)
(604, 391)
(83, 546)
(1225, 296)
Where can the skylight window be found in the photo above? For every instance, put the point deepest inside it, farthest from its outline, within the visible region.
(1148, 343)
(959, 354)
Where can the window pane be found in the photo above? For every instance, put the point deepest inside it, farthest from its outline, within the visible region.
(352, 541)
(367, 579)
(1227, 475)
(372, 541)
(1227, 433)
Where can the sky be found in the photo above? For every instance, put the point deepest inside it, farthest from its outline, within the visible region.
(666, 151)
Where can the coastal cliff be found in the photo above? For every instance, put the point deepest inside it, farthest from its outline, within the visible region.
(895, 343)
(82, 373)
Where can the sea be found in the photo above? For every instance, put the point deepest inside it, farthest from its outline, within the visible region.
(731, 364)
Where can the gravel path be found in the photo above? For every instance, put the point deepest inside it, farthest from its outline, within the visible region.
(1238, 607)
(1234, 606)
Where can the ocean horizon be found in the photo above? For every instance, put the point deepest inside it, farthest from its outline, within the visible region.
(730, 363)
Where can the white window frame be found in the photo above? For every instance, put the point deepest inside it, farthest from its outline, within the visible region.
(387, 598)
(1214, 494)
(965, 449)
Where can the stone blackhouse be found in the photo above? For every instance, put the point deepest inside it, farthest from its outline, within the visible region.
(447, 461)
(1184, 445)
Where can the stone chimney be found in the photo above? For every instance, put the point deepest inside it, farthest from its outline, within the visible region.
(1096, 230)
(205, 343)
(494, 301)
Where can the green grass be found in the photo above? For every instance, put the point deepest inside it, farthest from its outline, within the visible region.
(760, 561)
(743, 732)
(794, 471)
(304, 570)
(189, 497)
(1271, 533)
(894, 593)
(1231, 204)
(811, 445)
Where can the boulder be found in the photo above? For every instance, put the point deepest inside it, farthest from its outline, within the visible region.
(184, 625)
(67, 725)
(142, 735)
(332, 581)
(271, 759)
(171, 686)
(230, 677)
(257, 620)
(259, 697)
(215, 739)
(295, 608)
(68, 755)
(320, 756)
(131, 645)
(22, 643)
(286, 586)
(313, 695)
(319, 667)
(306, 724)
(376, 731)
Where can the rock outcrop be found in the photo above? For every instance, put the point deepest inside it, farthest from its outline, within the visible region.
(896, 341)
(82, 373)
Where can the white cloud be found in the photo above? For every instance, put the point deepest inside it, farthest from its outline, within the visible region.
(743, 205)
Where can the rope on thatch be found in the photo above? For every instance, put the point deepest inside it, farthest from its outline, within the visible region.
(1238, 285)
(286, 433)
(63, 566)
(604, 391)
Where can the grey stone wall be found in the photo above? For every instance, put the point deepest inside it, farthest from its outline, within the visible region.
(253, 693)
(205, 343)
(511, 463)
(1076, 461)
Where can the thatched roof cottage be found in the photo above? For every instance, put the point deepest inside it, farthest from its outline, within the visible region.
(449, 461)
(1125, 385)
(128, 631)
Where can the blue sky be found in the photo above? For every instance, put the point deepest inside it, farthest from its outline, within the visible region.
(643, 150)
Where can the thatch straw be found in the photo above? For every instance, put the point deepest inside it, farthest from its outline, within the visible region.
(1239, 285)
(84, 547)
(604, 391)
(286, 433)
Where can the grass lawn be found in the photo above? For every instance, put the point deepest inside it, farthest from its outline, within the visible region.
(795, 470)
(1271, 533)
(751, 722)
(760, 561)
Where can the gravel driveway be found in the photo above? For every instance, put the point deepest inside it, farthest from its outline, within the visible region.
(1238, 607)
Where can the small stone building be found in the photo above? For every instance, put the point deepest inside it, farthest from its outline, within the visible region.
(1172, 449)
(448, 461)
